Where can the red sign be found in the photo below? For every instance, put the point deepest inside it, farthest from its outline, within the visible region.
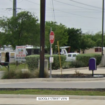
(51, 37)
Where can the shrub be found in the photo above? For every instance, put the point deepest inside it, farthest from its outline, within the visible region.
(35, 73)
(18, 74)
(25, 74)
(77, 73)
(15, 74)
(85, 58)
(32, 61)
(56, 64)
(77, 64)
(9, 74)
(66, 65)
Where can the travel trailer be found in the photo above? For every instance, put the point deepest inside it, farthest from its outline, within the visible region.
(7, 50)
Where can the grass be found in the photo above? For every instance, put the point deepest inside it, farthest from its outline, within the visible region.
(54, 92)
(14, 66)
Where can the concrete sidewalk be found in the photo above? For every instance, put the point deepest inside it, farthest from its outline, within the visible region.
(31, 100)
(85, 70)
(25, 101)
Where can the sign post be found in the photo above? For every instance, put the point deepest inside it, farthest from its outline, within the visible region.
(20, 53)
(51, 38)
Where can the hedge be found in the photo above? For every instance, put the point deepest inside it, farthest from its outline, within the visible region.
(32, 61)
(85, 58)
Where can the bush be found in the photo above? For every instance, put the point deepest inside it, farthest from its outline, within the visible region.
(35, 73)
(18, 74)
(14, 74)
(25, 74)
(66, 65)
(32, 61)
(77, 64)
(85, 58)
(9, 74)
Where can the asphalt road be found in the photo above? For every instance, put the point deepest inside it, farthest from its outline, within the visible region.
(56, 84)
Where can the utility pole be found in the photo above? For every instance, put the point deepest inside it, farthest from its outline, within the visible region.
(14, 8)
(42, 37)
(102, 26)
(103, 56)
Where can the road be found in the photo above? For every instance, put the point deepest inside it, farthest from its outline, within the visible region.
(55, 84)
(79, 83)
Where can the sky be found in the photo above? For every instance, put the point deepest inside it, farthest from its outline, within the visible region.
(80, 14)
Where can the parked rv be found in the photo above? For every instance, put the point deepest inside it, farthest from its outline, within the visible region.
(3, 54)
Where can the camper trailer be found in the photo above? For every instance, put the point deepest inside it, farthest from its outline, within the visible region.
(7, 54)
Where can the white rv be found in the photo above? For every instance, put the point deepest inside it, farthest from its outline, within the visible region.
(69, 56)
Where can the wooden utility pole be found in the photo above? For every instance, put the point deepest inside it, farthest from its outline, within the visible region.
(42, 37)
(102, 25)
(14, 8)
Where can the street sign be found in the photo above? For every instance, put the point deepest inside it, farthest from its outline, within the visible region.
(51, 59)
(52, 37)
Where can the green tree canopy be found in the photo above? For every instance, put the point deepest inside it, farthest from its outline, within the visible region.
(98, 39)
(74, 38)
(59, 31)
(86, 42)
(21, 30)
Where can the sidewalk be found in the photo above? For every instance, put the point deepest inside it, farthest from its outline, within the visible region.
(31, 100)
(85, 70)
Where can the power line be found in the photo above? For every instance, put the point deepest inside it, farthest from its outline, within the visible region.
(66, 11)
(69, 13)
(85, 4)
(32, 2)
(75, 5)
(76, 14)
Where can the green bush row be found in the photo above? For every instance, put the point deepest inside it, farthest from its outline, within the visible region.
(84, 58)
(32, 61)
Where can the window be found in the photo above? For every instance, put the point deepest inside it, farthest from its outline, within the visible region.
(69, 55)
(74, 55)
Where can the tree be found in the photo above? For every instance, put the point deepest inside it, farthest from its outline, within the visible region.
(60, 32)
(86, 42)
(21, 30)
(98, 39)
(2, 39)
(74, 38)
